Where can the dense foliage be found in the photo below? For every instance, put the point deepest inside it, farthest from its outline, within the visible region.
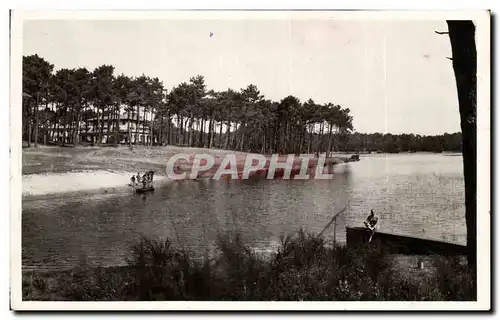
(303, 267)
(191, 115)
(403, 142)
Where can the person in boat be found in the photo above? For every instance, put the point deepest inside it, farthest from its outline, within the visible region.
(132, 181)
(145, 180)
(138, 177)
(371, 223)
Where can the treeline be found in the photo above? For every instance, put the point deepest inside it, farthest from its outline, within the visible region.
(377, 142)
(188, 114)
(58, 107)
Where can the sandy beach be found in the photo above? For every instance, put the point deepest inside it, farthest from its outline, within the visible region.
(54, 183)
(55, 170)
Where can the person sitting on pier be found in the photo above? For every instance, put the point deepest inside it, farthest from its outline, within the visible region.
(371, 223)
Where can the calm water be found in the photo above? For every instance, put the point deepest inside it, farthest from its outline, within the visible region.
(414, 194)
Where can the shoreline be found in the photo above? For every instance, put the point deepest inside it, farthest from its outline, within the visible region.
(49, 172)
(78, 182)
(52, 171)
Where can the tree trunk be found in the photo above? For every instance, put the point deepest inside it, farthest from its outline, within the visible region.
(108, 125)
(26, 120)
(228, 135)
(152, 127)
(64, 130)
(76, 129)
(214, 134)
(117, 126)
(329, 140)
(168, 128)
(242, 138)
(198, 125)
(136, 124)
(99, 127)
(37, 116)
(263, 146)
(191, 133)
(29, 133)
(202, 129)
(55, 129)
(51, 132)
(463, 47)
(234, 137)
(45, 125)
(144, 126)
(71, 127)
(180, 123)
(309, 146)
(220, 136)
(161, 139)
(276, 130)
(301, 138)
(86, 128)
(129, 133)
(185, 126)
(45, 129)
(210, 130)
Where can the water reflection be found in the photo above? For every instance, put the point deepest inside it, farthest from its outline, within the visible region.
(418, 195)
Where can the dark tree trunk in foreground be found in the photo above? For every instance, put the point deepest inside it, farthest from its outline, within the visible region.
(462, 38)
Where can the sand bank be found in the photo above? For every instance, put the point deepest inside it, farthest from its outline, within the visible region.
(58, 170)
(54, 183)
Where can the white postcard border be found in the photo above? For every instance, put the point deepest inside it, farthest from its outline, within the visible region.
(480, 18)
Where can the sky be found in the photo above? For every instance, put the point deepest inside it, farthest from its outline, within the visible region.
(392, 75)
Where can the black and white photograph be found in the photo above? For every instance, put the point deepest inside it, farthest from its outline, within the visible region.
(210, 160)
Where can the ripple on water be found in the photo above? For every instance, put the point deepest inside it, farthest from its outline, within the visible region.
(419, 195)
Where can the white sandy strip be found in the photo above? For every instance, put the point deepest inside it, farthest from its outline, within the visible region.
(53, 183)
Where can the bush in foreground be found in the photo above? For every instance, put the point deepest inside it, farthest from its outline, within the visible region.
(304, 267)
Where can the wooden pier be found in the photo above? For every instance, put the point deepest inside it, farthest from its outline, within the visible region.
(402, 244)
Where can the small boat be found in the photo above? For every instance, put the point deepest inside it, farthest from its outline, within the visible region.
(147, 183)
(354, 157)
(144, 190)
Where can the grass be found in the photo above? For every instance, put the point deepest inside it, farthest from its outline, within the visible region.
(141, 158)
(304, 267)
(59, 159)
(120, 158)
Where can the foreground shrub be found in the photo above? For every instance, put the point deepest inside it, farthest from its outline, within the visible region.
(303, 267)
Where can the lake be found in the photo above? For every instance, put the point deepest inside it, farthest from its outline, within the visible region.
(414, 194)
